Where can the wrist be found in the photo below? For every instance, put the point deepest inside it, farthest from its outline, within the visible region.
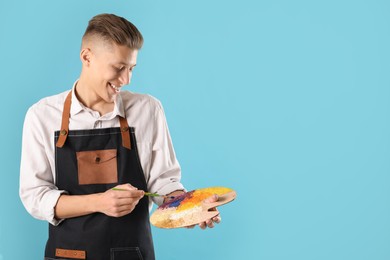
(93, 203)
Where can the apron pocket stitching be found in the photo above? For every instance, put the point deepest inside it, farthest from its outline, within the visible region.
(116, 250)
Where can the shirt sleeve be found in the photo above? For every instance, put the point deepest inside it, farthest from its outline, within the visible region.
(165, 171)
(37, 191)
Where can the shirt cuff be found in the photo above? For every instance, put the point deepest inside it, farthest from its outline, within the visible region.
(50, 201)
(171, 187)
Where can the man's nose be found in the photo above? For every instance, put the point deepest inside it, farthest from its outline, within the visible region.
(125, 78)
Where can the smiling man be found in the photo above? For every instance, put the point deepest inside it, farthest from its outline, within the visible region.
(79, 145)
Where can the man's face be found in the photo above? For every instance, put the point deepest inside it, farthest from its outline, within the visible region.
(110, 68)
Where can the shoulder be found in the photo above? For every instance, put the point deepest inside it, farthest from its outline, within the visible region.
(48, 106)
(137, 100)
(50, 101)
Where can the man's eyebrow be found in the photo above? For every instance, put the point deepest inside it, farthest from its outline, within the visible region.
(126, 64)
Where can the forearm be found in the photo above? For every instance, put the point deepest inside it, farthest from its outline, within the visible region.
(114, 203)
(70, 206)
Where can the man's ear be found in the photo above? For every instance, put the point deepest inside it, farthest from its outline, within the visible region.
(85, 56)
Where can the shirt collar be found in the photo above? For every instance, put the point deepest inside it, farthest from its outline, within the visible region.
(77, 106)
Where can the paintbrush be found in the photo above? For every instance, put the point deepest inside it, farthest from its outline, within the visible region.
(150, 194)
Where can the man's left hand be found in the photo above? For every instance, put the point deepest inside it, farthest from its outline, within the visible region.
(210, 222)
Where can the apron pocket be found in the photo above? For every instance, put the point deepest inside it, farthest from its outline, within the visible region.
(97, 167)
(126, 253)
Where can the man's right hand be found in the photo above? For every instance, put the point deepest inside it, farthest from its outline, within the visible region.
(119, 202)
(114, 203)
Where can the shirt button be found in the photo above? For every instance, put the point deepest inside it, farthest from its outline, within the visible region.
(97, 124)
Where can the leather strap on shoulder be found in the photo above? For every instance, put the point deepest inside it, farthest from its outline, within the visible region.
(125, 131)
(65, 121)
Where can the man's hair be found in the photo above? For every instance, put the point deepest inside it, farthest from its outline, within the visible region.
(114, 29)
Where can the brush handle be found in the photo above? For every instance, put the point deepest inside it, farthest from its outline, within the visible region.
(153, 194)
(158, 195)
(148, 194)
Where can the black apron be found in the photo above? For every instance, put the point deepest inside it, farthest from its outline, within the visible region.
(93, 161)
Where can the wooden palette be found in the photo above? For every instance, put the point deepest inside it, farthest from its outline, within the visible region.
(190, 209)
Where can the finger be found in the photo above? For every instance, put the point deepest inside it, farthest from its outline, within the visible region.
(126, 186)
(127, 201)
(123, 210)
(202, 225)
(126, 208)
(212, 199)
(136, 194)
(121, 213)
(217, 219)
(210, 223)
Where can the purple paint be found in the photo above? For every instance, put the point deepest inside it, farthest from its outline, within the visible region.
(176, 201)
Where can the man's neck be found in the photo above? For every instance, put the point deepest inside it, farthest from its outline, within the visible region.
(90, 99)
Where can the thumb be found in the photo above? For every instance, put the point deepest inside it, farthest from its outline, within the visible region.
(212, 198)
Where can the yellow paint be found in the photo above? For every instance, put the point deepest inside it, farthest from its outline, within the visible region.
(200, 195)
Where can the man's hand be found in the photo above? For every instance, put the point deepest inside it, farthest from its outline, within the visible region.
(114, 203)
(210, 222)
(117, 203)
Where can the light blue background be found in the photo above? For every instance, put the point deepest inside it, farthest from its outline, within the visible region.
(285, 101)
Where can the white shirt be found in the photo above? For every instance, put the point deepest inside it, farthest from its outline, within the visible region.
(37, 170)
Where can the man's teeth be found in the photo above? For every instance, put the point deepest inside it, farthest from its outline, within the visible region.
(114, 87)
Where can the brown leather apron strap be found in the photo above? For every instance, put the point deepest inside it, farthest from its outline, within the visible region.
(124, 127)
(65, 121)
(125, 133)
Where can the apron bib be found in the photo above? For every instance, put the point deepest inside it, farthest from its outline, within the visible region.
(93, 161)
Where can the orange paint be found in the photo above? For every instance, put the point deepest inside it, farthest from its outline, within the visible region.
(200, 195)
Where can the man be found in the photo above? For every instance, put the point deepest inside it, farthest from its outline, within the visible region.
(80, 144)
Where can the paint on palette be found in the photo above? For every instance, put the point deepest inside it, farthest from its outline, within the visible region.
(193, 198)
(188, 209)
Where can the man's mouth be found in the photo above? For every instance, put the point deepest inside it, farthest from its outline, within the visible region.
(115, 88)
